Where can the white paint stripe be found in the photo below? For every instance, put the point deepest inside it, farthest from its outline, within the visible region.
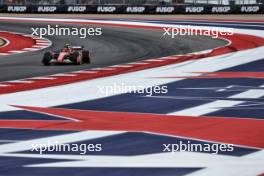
(20, 81)
(30, 49)
(64, 74)
(102, 69)
(85, 71)
(38, 46)
(155, 60)
(138, 63)
(170, 58)
(42, 41)
(43, 78)
(4, 54)
(17, 51)
(219, 104)
(121, 66)
(4, 85)
(44, 44)
(202, 52)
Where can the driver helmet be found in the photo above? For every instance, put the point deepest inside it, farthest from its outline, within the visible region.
(67, 46)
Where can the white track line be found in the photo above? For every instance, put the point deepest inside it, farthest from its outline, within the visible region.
(20, 81)
(17, 51)
(102, 69)
(155, 60)
(138, 63)
(219, 104)
(4, 85)
(85, 71)
(121, 66)
(64, 74)
(43, 78)
(30, 49)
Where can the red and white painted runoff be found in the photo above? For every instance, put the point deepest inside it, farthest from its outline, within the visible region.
(16, 43)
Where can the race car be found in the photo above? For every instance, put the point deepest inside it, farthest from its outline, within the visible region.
(67, 55)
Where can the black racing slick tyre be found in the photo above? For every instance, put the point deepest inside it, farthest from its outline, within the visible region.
(47, 58)
(86, 57)
(74, 58)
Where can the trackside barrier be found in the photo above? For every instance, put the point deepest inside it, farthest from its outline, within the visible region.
(140, 9)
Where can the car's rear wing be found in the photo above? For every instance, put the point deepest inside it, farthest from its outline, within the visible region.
(77, 47)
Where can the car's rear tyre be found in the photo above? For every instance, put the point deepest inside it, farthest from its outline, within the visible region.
(47, 58)
(74, 58)
(86, 57)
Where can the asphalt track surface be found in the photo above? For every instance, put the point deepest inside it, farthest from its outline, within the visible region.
(116, 45)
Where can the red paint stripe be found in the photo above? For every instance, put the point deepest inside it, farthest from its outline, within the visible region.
(16, 42)
(239, 131)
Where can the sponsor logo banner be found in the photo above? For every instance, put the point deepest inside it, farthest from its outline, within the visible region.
(124, 9)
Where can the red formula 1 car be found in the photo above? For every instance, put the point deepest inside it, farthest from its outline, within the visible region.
(67, 55)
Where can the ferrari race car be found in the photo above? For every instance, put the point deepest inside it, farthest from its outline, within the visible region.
(67, 55)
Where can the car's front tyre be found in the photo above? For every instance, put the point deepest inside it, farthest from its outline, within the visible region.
(74, 58)
(47, 58)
